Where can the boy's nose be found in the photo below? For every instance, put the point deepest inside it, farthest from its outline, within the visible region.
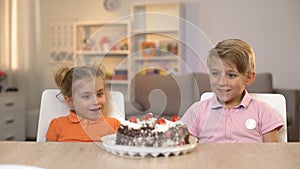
(222, 80)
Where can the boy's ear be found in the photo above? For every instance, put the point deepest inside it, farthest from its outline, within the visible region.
(69, 101)
(250, 78)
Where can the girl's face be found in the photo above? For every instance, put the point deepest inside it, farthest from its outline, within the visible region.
(227, 82)
(89, 97)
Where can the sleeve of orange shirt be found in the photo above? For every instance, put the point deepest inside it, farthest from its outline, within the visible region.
(52, 133)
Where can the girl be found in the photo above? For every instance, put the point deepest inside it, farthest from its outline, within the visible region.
(83, 89)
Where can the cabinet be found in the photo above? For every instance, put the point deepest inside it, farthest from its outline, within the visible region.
(157, 37)
(12, 116)
(108, 44)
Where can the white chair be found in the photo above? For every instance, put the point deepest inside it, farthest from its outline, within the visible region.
(115, 101)
(52, 107)
(277, 101)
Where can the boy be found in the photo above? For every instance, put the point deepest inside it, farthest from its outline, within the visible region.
(231, 115)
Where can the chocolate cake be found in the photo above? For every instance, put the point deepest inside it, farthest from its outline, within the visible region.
(152, 132)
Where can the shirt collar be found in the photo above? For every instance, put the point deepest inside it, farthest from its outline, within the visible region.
(246, 100)
(77, 119)
(244, 103)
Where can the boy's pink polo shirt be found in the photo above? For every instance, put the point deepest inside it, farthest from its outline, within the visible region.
(210, 121)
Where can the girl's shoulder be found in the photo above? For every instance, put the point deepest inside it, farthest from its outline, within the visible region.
(113, 122)
(111, 119)
(59, 121)
(60, 118)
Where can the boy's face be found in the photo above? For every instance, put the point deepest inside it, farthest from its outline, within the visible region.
(89, 97)
(227, 82)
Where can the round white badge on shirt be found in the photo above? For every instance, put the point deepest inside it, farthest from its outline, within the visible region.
(250, 124)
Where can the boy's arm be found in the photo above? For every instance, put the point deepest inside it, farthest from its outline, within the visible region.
(271, 136)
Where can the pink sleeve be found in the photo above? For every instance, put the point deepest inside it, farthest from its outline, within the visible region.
(190, 119)
(270, 120)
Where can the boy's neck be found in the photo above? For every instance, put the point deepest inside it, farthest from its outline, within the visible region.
(237, 101)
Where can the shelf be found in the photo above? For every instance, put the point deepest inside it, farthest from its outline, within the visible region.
(105, 43)
(156, 58)
(119, 82)
(121, 45)
(107, 24)
(159, 26)
(96, 38)
(144, 31)
(100, 53)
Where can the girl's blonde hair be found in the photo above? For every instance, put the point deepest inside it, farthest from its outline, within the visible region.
(236, 51)
(65, 77)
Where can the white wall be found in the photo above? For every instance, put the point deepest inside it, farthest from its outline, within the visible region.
(272, 27)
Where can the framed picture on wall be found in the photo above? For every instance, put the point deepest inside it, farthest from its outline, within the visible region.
(148, 49)
(61, 41)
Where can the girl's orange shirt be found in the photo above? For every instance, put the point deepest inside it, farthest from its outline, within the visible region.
(73, 128)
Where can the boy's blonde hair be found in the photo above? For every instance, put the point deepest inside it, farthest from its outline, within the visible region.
(236, 51)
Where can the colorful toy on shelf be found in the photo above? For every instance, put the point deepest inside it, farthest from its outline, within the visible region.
(108, 76)
(153, 71)
(104, 44)
(148, 49)
(120, 74)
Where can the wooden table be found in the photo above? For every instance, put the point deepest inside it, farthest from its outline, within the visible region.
(209, 156)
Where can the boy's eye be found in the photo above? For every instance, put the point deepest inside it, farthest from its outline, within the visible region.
(215, 73)
(232, 75)
(86, 97)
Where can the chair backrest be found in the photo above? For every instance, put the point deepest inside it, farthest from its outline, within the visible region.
(161, 94)
(115, 101)
(277, 101)
(52, 107)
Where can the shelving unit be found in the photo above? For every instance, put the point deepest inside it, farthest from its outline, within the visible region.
(108, 44)
(160, 25)
(124, 46)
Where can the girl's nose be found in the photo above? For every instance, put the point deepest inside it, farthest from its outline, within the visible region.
(95, 100)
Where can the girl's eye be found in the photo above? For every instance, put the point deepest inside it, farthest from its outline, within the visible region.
(100, 94)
